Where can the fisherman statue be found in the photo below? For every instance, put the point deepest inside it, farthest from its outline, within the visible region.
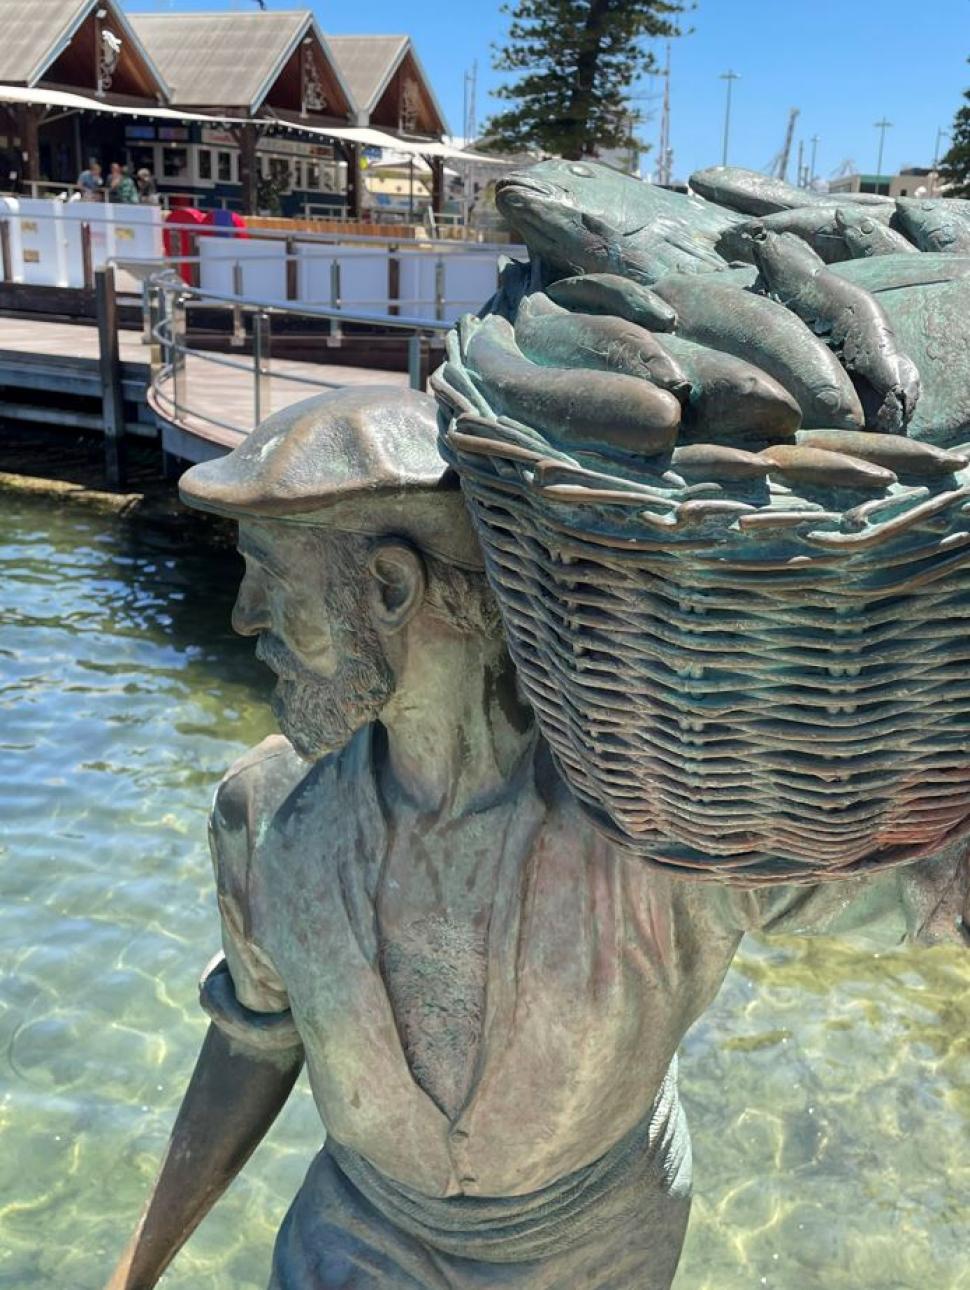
(487, 978)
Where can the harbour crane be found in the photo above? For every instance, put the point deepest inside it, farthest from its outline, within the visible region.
(778, 168)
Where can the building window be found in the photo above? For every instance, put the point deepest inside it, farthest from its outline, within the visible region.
(312, 175)
(297, 174)
(175, 163)
(279, 170)
(205, 163)
(224, 163)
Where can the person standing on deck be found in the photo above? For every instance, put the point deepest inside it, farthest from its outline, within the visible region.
(89, 181)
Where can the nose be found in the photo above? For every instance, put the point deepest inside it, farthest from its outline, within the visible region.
(250, 614)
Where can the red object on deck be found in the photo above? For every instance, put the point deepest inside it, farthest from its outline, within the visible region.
(223, 221)
(180, 237)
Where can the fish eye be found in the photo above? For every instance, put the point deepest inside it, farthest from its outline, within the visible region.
(583, 171)
(867, 226)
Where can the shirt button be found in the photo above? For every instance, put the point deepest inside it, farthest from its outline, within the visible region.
(467, 1180)
(460, 1135)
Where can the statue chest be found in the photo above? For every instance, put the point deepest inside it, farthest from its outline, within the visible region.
(434, 968)
(433, 953)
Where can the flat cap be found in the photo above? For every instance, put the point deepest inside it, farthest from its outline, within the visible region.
(362, 460)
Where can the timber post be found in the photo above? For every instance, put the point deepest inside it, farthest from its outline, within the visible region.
(87, 260)
(247, 136)
(112, 398)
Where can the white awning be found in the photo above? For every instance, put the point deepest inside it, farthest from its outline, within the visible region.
(80, 102)
(371, 138)
(353, 134)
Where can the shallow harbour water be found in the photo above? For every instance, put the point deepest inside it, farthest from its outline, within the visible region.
(828, 1089)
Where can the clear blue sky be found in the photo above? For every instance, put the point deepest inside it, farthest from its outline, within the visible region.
(845, 65)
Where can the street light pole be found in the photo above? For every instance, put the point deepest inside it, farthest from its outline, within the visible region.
(882, 126)
(940, 134)
(815, 141)
(730, 77)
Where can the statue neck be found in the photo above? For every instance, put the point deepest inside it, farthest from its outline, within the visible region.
(456, 729)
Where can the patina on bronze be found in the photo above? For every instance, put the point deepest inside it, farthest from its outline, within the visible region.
(488, 993)
(748, 671)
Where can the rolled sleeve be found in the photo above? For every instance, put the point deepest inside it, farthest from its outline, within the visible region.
(267, 1032)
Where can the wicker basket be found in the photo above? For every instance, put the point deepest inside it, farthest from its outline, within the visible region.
(736, 691)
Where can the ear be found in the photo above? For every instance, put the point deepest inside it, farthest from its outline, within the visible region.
(399, 583)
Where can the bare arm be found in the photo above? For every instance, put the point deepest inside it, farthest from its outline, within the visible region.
(236, 1092)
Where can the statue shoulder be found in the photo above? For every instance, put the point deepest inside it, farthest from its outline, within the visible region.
(255, 786)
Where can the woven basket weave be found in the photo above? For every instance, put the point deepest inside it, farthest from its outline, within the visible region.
(744, 693)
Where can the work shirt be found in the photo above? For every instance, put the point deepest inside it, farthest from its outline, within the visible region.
(597, 964)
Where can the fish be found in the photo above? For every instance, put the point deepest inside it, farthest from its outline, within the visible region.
(608, 293)
(853, 320)
(578, 408)
(865, 235)
(905, 457)
(894, 272)
(800, 464)
(717, 461)
(581, 217)
(939, 224)
(731, 398)
(595, 341)
(750, 192)
(822, 225)
(932, 325)
(765, 333)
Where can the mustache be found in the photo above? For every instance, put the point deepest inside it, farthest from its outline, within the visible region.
(278, 657)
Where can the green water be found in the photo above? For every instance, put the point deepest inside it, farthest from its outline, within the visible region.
(828, 1090)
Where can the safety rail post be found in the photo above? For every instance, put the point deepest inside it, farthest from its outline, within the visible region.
(112, 397)
(176, 350)
(336, 332)
(393, 279)
(261, 356)
(439, 289)
(5, 250)
(238, 337)
(292, 270)
(155, 305)
(417, 361)
(87, 260)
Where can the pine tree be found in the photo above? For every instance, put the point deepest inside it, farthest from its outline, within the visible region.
(955, 166)
(577, 61)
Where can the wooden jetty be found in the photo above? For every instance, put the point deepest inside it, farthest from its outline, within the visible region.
(95, 375)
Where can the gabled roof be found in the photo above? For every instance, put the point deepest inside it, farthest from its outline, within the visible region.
(36, 34)
(227, 59)
(368, 64)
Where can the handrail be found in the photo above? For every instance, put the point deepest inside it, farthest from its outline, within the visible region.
(166, 300)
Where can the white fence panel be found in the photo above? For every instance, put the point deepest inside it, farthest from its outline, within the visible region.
(363, 276)
(43, 246)
(262, 264)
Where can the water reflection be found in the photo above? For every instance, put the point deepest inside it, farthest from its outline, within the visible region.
(827, 1090)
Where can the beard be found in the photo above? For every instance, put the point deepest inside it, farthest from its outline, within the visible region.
(320, 714)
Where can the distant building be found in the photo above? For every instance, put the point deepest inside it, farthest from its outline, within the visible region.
(243, 110)
(912, 181)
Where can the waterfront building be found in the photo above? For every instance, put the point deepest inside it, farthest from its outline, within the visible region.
(247, 111)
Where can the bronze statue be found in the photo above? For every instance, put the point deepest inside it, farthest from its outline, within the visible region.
(487, 991)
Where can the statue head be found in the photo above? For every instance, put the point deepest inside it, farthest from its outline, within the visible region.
(359, 555)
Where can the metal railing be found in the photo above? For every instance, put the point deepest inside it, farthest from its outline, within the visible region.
(80, 256)
(173, 392)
